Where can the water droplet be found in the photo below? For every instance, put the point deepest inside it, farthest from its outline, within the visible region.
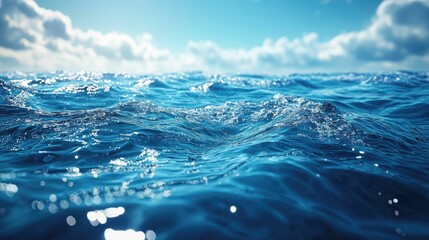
(64, 204)
(110, 234)
(71, 221)
(233, 209)
(150, 235)
(101, 218)
(96, 200)
(91, 216)
(53, 198)
(40, 205)
(53, 208)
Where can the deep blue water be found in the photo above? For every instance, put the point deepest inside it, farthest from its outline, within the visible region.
(198, 156)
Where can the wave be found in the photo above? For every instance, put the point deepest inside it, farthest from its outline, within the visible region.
(215, 156)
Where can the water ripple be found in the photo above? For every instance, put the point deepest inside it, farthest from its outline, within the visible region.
(197, 156)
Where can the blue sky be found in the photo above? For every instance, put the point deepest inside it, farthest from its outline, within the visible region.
(215, 36)
(230, 23)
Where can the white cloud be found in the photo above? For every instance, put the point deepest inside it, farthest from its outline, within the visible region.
(397, 38)
(271, 55)
(34, 38)
(42, 39)
(400, 29)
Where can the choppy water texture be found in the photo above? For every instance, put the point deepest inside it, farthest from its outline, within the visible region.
(196, 156)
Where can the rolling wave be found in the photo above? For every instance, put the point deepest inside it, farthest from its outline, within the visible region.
(196, 156)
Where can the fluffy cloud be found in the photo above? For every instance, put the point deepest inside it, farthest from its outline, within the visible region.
(397, 38)
(270, 56)
(41, 39)
(399, 30)
(34, 38)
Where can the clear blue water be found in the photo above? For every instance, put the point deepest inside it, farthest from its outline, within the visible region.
(197, 156)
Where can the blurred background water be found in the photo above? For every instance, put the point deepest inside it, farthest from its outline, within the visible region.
(194, 156)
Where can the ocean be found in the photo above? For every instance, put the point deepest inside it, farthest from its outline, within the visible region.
(86, 155)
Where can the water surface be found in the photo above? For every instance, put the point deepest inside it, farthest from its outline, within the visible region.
(198, 156)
